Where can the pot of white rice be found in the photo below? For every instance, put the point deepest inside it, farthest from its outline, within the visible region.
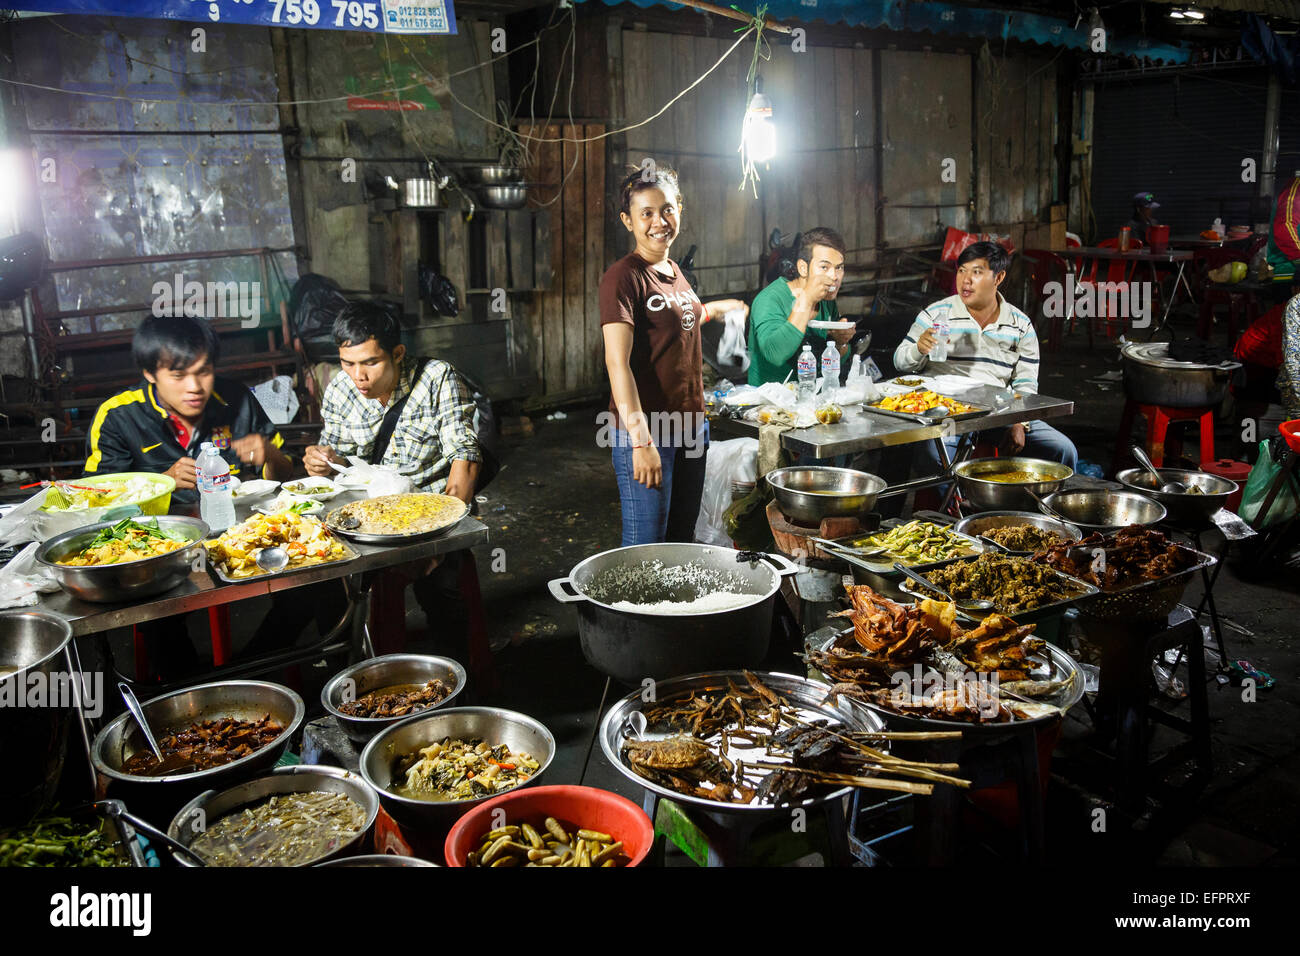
(661, 610)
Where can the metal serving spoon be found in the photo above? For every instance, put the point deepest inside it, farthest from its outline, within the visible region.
(936, 414)
(1168, 487)
(1043, 506)
(137, 712)
(273, 559)
(978, 604)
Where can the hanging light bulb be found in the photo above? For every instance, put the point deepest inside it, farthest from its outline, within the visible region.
(759, 133)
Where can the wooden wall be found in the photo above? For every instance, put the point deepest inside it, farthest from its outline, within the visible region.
(563, 322)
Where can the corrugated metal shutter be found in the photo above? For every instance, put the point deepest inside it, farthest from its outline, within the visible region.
(1183, 138)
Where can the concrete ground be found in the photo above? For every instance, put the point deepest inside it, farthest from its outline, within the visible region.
(555, 503)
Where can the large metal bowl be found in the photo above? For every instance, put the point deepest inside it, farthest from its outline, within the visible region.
(496, 726)
(209, 807)
(986, 521)
(1100, 510)
(1182, 508)
(985, 495)
(813, 492)
(492, 175)
(241, 699)
(807, 695)
(33, 739)
(360, 679)
(131, 580)
(377, 859)
(511, 196)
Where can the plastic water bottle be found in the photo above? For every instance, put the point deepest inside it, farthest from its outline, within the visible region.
(216, 504)
(807, 374)
(940, 351)
(830, 367)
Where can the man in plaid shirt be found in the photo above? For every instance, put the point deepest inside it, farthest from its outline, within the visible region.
(432, 440)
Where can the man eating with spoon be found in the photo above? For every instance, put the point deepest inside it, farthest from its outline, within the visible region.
(417, 418)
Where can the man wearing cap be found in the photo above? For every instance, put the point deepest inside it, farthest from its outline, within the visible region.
(1144, 215)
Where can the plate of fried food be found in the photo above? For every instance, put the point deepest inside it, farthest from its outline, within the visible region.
(304, 539)
(921, 663)
(397, 519)
(912, 404)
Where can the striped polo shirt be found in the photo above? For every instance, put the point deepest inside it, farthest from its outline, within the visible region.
(1003, 353)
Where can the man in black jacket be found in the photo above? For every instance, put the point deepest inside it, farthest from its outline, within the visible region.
(159, 425)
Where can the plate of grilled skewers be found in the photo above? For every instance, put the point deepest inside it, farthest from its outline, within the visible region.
(739, 741)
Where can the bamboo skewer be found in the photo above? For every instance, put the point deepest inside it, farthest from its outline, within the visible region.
(870, 783)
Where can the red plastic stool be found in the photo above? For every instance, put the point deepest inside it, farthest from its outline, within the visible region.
(388, 620)
(1237, 471)
(218, 625)
(1158, 419)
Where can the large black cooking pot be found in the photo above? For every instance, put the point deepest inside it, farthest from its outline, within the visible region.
(632, 646)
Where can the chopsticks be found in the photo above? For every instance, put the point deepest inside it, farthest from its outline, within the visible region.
(65, 484)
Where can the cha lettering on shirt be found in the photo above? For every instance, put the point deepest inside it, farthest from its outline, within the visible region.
(686, 301)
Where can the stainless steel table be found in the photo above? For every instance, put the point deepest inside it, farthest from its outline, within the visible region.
(203, 590)
(862, 430)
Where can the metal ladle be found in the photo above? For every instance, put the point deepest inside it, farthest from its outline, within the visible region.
(1168, 487)
(137, 712)
(977, 604)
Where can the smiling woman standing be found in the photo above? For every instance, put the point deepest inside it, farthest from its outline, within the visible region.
(650, 319)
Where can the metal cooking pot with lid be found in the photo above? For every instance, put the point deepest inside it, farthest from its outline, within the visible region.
(1151, 377)
(631, 645)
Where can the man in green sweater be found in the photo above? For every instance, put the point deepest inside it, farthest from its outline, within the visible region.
(779, 315)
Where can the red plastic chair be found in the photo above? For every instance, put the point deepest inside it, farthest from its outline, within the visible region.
(1049, 267)
(1118, 271)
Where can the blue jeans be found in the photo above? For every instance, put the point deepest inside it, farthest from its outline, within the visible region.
(666, 513)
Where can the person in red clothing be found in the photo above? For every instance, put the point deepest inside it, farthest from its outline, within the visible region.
(1260, 352)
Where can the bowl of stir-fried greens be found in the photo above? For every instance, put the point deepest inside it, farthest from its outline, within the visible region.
(116, 561)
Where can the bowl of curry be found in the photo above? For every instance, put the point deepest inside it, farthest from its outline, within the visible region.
(1003, 484)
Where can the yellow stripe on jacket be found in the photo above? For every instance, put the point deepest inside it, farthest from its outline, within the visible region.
(129, 397)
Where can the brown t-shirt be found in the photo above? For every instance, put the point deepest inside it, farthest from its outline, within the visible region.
(665, 315)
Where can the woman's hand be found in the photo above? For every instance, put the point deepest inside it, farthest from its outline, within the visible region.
(646, 466)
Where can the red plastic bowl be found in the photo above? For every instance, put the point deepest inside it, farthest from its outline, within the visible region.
(1291, 432)
(593, 809)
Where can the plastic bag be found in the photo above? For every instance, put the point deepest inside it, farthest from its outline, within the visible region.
(1287, 503)
(22, 579)
(729, 462)
(733, 350)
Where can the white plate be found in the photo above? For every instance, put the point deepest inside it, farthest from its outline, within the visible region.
(254, 487)
(299, 485)
(285, 501)
(839, 324)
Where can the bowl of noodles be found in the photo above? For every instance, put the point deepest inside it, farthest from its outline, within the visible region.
(117, 561)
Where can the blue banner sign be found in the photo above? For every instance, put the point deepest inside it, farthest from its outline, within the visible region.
(366, 16)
